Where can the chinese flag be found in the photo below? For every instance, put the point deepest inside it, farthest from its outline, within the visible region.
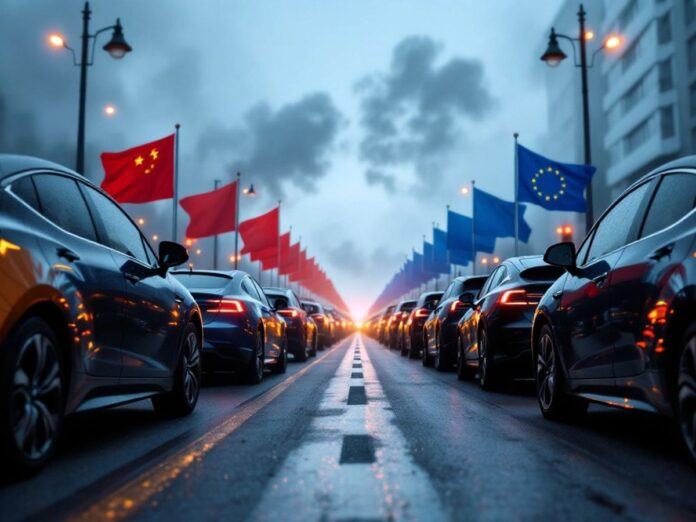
(290, 259)
(141, 174)
(261, 232)
(211, 213)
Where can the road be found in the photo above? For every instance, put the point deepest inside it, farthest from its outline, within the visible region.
(360, 433)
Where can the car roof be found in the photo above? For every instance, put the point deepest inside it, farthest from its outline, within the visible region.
(522, 262)
(11, 164)
(219, 273)
(686, 162)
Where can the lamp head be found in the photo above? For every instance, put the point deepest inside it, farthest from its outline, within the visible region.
(553, 54)
(117, 47)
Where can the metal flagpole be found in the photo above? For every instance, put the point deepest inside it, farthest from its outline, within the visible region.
(216, 184)
(517, 204)
(473, 227)
(236, 223)
(176, 181)
(278, 253)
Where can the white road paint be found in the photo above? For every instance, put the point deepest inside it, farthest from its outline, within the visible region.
(312, 485)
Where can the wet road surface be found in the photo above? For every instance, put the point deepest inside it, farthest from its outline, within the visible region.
(360, 433)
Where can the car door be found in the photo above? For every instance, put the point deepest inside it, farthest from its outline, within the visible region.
(152, 310)
(646, 266)
(275, 322)
(86, 272)
(268, 318)
(589, 329)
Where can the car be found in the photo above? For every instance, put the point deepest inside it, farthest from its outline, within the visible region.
(90, 315)
(413, 327)
(382, 324)
(494, 334)
(301, 330)
(318, 314)
(440, 331)
(619, 327)
(243, 332)
(395, 325)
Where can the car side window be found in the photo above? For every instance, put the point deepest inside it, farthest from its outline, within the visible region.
(582, 252)
(120, 232)
(499, 276)
(489, 282)
(250, 289)
(262, 294)
(675, 197)
(24, 189)
(618, 227)
(62, 203)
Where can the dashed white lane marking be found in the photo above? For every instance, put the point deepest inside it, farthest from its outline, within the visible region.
(312, 484)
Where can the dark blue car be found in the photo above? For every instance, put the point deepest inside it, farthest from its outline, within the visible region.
(243, 331)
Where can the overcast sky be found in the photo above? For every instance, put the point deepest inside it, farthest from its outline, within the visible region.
(365, 117)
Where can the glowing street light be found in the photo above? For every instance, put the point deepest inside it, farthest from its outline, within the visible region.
(496, 260)
(141, 221)
(198, 251)
(109, 110)
(155, 237)
(56, 40)
(464, 191)
(249, 191)
(613, 42)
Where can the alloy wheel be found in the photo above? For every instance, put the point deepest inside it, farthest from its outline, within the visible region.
(546, 371)
(483, 356)
(686, 397)
(36, 397)
(192, 360)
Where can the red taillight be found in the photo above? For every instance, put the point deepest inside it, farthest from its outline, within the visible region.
(515, 298)
(422, 312)
(288, 313)
(229, 306)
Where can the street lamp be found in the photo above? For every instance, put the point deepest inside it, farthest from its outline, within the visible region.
(250, 191)
(117, 48)
(554, 55)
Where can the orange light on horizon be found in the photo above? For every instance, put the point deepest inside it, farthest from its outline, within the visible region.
(56, 40)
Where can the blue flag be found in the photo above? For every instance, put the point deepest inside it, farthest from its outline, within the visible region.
(429, 258)
(550, 184)
(441, 261)
(459, 243)
(495, 217)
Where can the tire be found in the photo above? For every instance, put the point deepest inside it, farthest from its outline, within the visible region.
(553, 400)
(427, 360)
(489, 378)
(313, 351)
(32, 397)
(685, 401)
(281, 366)
(254, 371)
(303, 354)
(182, 399)
(441, 362)
(464, 371)
(412, 352)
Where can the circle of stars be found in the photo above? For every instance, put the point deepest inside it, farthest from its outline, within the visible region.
(551, 171)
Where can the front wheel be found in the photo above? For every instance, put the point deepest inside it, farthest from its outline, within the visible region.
(313, 352)
(686, 393)
(281, 364)
(464, 371)
(441, 359)
(254, 372)
(427, 359)
(554, 402)
(32, 397)
(187, 378)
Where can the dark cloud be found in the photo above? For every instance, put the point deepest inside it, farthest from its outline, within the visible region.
(345, 256)
(412, 115)
(290, 144)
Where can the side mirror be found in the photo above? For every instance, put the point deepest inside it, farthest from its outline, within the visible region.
(561, 254)
(467, 299)
(171, 254)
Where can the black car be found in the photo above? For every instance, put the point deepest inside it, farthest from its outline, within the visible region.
(90, 315)
(413, 327)
(495, 333)
(382, 324)
(619, 327)
(243, 332)
(440, 332)
(321, 320)
(301, 331)
(395, 324)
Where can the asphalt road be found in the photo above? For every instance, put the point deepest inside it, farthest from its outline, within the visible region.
(360, 433)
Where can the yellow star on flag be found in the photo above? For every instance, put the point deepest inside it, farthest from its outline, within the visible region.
(139, 160)
(154, 153)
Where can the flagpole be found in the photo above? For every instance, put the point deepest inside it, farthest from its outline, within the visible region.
(517, 213)
(216, 184)
(473, 227)
(278, 254)
(236, 223)
(176, 181)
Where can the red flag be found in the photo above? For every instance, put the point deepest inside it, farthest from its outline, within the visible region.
(212, 212)
(290, 259)
(141, 174)
(260, 232)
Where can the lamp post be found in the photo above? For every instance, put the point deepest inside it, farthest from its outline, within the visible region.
(553, 56)
(117, 47)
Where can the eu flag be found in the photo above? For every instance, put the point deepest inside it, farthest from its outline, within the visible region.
(495, 217)
(440, 251)
(550, 184)
(459, 239)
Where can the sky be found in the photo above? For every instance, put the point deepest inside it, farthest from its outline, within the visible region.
(364, 117)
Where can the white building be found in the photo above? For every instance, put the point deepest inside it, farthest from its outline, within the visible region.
(650, 94)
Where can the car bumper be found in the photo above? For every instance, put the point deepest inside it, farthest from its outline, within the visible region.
(513, 347)
(226, 347)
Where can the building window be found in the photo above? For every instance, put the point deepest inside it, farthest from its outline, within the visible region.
(633, 96)
(615, 153)
(667, 122)
(664, 73)
(689, 11)
(639, 135)
(664, 29)
(631, 55)
(627, 14)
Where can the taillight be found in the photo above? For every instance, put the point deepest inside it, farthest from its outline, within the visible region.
(422, 312)
(457, 305)
(288, 313)
(229, 306)
(515, 298)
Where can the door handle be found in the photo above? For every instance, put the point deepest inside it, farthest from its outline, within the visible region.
(67, 254)
(663, 251)
(558, 294)
(599, 280)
